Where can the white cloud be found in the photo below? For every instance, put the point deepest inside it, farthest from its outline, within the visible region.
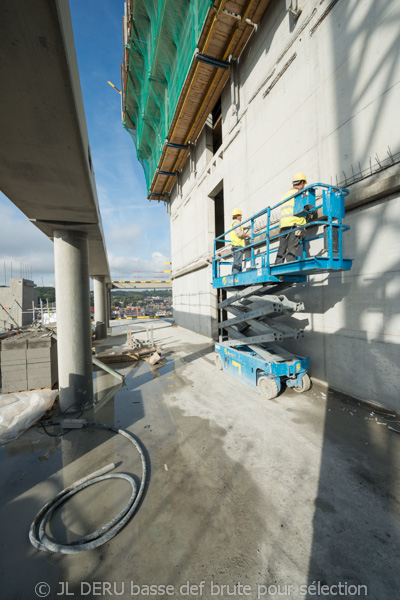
(125, 234)
(24, 250)
(132, 268)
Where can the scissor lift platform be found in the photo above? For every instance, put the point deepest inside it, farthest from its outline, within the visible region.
(294, 272)
(247, 346)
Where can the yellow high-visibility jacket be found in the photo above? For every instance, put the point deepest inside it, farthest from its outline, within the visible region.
(288, 219)
(235, 239)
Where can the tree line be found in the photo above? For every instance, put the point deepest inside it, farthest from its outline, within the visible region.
(48, 294)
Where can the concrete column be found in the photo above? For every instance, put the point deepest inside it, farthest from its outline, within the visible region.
(100, 307)
(74, 347)
(108, 295)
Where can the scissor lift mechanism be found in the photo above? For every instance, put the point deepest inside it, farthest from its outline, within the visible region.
(249, 337)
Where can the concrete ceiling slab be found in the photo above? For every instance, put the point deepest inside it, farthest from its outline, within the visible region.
(45, 163)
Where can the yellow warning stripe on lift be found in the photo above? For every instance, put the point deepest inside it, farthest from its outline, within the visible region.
(236, 364)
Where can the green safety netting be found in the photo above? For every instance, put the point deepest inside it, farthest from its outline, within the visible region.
(164, 35)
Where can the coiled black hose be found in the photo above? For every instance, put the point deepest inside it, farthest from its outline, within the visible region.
(37, 531)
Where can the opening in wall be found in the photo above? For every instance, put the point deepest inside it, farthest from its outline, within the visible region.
(219, 216)
(217, 125)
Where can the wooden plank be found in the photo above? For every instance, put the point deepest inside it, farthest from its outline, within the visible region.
(117, 358)
(235, 6)
(129, 356)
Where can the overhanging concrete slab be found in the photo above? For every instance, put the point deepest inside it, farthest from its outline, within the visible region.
(45, 163)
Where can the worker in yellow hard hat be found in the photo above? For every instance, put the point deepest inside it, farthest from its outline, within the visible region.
(238, 240)
(289, 223)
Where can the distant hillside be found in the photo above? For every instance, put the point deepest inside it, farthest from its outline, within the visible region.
(124, 296)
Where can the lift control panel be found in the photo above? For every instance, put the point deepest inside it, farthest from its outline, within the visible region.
(304, 203)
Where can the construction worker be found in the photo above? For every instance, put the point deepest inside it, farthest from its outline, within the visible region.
(238, 240)
(288, 243)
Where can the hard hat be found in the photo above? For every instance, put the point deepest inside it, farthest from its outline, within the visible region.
(236, 211)
(299, 177)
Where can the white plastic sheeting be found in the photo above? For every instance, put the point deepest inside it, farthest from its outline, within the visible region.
(20, 411)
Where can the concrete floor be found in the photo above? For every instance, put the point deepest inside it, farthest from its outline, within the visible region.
(268, 499)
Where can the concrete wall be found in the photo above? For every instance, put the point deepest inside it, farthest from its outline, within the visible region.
(18, 296)
(352, 318)
(195, 303)
(319, 95)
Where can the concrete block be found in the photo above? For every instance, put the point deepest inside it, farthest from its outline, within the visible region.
(37, 353)
(46, 376)
(10, 351)
(40, 343)
(38, 364)
(39, 381)
(14, 343)
(14, 374)
(13, 357)
(29, 363)
(39, 360)
(14, 367)
(13, 385)
(14, 351)
(39, 369)
(38, 384)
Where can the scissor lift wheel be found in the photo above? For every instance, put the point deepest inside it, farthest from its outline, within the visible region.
(218, 362)
(268, 388)
(305, 384)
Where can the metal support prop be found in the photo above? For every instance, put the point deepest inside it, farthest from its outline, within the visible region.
(168, 173)
(212, 61)
(177, 146)
(105, 367)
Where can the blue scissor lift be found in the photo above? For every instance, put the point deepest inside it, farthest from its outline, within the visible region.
(248, 340)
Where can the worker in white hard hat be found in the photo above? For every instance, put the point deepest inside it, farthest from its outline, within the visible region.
(289, 222)
(238, 240)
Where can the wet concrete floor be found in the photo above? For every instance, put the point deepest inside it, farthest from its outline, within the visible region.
(244, 498)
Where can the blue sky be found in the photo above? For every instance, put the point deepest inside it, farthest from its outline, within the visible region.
(137, 231)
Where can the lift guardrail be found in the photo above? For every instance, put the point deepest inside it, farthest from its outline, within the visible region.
(261, 250)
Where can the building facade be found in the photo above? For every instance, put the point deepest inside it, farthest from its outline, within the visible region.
(319, 94)
(315, 88)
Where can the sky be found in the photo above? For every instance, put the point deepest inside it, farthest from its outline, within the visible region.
(137, 231)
